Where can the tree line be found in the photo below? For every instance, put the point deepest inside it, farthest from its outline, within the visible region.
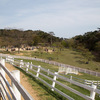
(87, 44)
(16, 38)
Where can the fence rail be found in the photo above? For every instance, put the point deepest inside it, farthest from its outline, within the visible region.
(55, 63)
(38, 72)
(16, 90)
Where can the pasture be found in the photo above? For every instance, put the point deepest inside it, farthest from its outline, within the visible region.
(82, 90)
(66, 56)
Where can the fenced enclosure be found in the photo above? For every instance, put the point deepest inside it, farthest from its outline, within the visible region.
(12, 91)
(56, 63)
(89, 82)
(55, 81)
(67, 70)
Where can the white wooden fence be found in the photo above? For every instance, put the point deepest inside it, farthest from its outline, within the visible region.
(12, 91)
(67, 70)
(38, 72)
(56, 63)
(89, 82)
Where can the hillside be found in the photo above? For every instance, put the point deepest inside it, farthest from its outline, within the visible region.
(16, 38)
(87, 44)
(89, 41)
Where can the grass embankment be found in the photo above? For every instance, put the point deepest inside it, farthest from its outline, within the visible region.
(41, 90)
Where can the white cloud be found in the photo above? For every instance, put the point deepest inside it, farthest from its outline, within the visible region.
(60, 16)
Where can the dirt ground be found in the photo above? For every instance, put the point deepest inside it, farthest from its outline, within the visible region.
(24, 82)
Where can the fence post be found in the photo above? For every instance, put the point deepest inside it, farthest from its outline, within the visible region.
(96, 74)
(92, 94)
(12, 60)
(70, 78)
(16, 74)
(3, 73)
(85, 82)
(27, 66)
(54, 79)
(91, 83)
(37, 75)
(48, 72)
(31, 66)
(21, 63)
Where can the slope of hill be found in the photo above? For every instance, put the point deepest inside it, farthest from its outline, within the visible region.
(16, 38)
(88, 44)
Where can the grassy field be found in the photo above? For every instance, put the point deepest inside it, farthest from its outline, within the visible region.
(66, 56)
(42, 93)
(54, 68)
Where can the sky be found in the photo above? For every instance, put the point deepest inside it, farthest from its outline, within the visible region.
(66, 18)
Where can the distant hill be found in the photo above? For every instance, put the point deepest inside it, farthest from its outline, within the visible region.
(16, 38)
(89, 42)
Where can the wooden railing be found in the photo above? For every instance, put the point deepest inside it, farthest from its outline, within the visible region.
(55, 63)
(14, 91)
(51, 79)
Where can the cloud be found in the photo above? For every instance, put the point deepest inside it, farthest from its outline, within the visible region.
(60, 16)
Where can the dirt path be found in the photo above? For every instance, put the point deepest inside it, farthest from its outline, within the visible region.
(24, 82)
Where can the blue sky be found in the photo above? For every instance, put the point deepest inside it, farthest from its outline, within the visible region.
(66, 18)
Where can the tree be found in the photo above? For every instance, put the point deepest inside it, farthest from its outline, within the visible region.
(36, 40)
(97, 46)
(85, 53)
(18, 41)
(51, 34)
(66, 43)
(71, 43)
(97, 49)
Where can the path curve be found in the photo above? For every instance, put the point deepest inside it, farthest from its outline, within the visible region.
(24, 82)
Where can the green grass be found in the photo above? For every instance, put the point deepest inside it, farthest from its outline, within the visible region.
(81, 76)
(43, 92)
(42, 64)
(38, 85)
(66, 56)
(86, 76)
(54, 68)
(47, 93)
